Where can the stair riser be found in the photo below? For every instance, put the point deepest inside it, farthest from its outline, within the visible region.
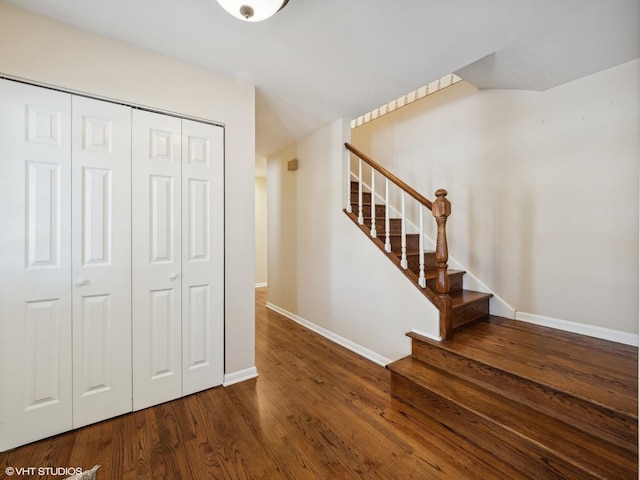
(366, 197)
(455, 279)
(591, 418)
(455, 282)
(395, 226)
(412, 239)
(518, 451)
(429, 260)
(469, 313)
(366, 210)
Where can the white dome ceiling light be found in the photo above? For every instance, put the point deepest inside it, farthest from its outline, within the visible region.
(252, 10)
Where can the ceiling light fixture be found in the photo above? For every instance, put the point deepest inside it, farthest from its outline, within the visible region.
(252, 10)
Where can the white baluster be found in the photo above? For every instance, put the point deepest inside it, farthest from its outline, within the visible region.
(422, 281)
(374, 234)
(387, 227)
(403, 260)
(360, 213)
(348, 182)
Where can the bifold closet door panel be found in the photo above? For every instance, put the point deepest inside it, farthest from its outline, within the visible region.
(202, 256)
(156, 264)
(101, 260)
(35, 263)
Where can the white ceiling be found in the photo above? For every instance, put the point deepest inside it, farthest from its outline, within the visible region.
(320, 60)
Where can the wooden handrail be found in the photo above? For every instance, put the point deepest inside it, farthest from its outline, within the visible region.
(423, 200)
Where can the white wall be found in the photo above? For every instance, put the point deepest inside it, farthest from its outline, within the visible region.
(261, 231)
(323, 271)
(544, 191)
(282, 243)
(45, 51)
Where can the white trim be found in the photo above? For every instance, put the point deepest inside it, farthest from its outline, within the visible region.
(94, 96)
(261, 284)
(581, 328)
(348, 344)
(239, 376)
(497, 305)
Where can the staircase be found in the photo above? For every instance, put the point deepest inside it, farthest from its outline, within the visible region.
(466, 305)
(552, 404)
(428, 270)
(548, 403)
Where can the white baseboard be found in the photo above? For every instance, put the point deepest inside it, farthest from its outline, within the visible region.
(239, 376)
(581, 328)
(348, 344)
(261, 284)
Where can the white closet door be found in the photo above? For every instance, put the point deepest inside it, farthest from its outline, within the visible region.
(202, 256)
(156, 192)
(101, 265)
(35, 263)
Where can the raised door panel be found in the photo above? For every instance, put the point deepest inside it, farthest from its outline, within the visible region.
(202, 256)
(157, 293)
(101, 185)
(35, 259)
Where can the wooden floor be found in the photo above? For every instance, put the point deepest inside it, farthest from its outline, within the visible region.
(317, 411)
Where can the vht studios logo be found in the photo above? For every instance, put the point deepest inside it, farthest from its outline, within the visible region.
(53, 471)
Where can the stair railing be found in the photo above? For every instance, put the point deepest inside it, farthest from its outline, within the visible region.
(440, 209)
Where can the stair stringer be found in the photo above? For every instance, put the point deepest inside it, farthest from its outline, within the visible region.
(498, 306)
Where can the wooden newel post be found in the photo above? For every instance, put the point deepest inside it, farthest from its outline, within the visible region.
(441, 210)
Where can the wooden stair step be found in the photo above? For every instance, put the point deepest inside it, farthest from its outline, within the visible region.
(600, 371)
(429, 257)
(468, 306)
(366, 209)
(476, 459)
(431, 274)
(412, 242)
(413, 260)
(366, 196)
(501, 376)
(542, 446)
(395, 224)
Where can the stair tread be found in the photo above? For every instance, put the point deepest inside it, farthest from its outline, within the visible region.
(399, 234)
(558, 438)
(412, 253)
(432, 272)
(426, 252)
(465, 297)
(598, 371)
